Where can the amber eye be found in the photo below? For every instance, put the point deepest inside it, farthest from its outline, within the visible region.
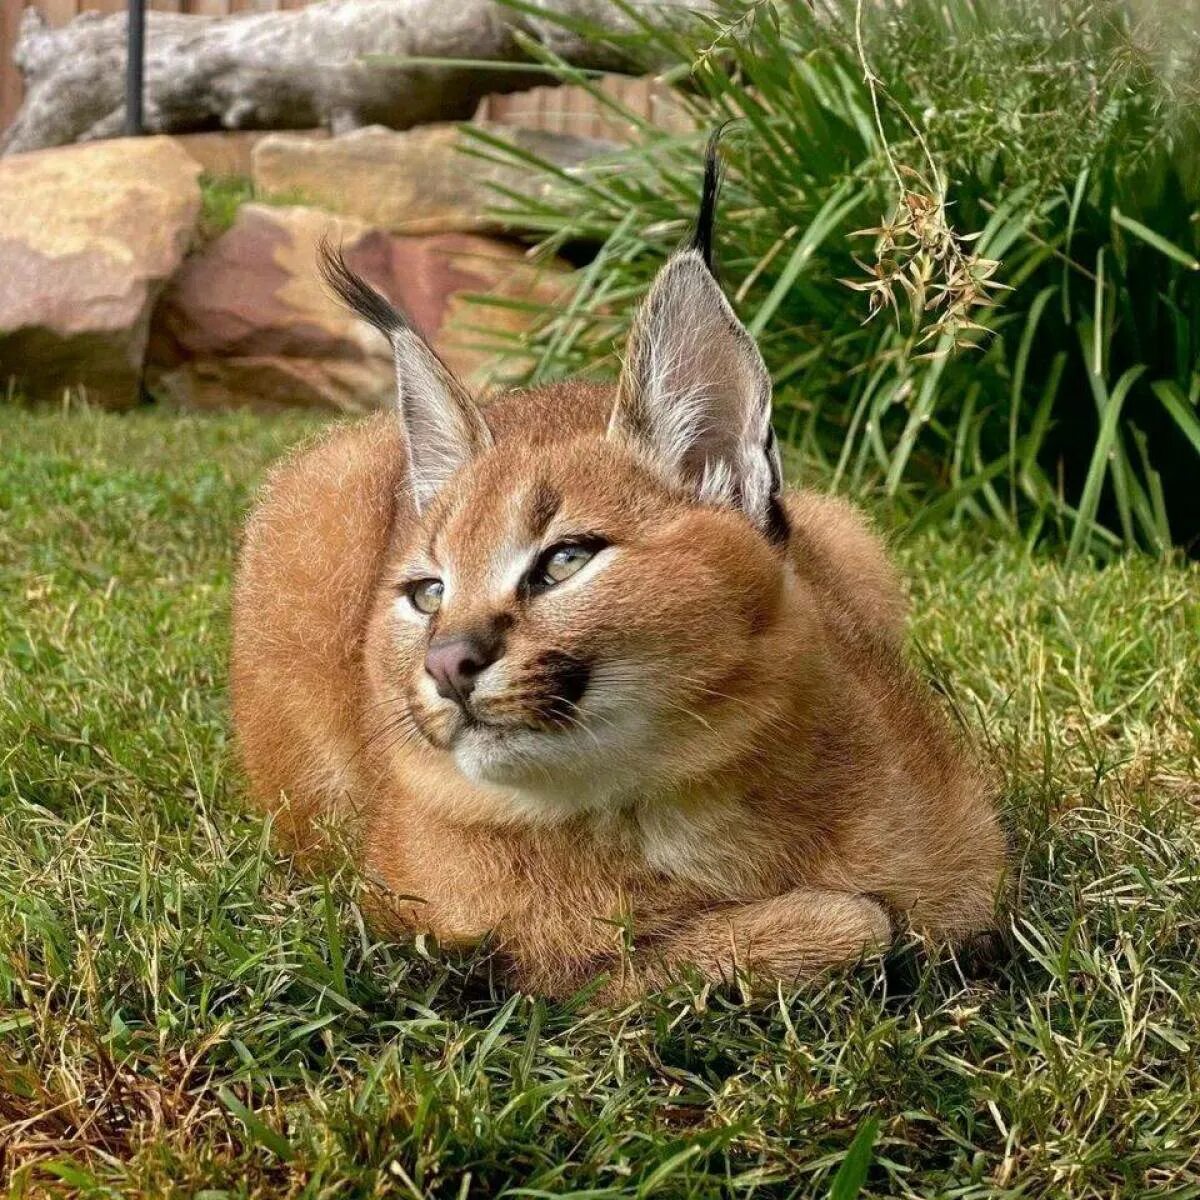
(561, 562)
(425, 595)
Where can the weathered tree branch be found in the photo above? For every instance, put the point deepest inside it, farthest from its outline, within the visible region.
(297, 69)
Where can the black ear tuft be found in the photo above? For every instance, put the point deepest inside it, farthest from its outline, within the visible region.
(356, 293)
(702, 238)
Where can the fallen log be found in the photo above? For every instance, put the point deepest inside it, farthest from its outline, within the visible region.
(302, 68)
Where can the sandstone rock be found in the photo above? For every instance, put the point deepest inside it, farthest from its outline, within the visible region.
(88, 236)
(228, 151)
(417, 181)
(247, 321)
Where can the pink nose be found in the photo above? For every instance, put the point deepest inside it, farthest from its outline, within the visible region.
(455, 664)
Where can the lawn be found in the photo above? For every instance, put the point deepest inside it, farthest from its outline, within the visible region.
(183, 1013)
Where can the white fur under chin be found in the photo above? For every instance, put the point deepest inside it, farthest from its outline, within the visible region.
(519, 771)
(544, 777)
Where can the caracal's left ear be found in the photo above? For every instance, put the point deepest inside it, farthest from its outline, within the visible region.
(695, 394)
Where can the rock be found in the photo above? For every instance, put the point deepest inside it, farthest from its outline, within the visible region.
(88, 238)
(247, 320)
(417, 181)
(228, 151)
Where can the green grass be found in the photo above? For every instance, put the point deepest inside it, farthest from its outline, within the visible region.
(181, 1012)
(222, 196)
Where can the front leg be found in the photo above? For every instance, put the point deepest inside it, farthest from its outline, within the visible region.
(790, 937)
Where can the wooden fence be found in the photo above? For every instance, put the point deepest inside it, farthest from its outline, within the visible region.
(567, 110)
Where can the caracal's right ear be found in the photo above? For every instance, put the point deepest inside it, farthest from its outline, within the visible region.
(443, 427)
(695, 394)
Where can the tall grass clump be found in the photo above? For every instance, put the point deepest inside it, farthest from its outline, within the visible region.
(966, 234)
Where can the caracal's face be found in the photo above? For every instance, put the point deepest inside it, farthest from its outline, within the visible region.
(581, 621)
(566, 625)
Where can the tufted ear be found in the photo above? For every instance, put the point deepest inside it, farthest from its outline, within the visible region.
(695, 394)
(443, 427)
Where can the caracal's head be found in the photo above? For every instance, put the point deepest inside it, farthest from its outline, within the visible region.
(577, 617)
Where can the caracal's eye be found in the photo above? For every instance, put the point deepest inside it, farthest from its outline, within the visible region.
(425, 595)
(561, 562)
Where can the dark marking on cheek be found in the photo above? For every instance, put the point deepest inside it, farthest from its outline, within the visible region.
(565, 678)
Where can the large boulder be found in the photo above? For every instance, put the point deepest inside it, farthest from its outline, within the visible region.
(415, 181)
(88, 237)
(247, 321)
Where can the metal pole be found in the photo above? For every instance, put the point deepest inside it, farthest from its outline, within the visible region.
(135, 67)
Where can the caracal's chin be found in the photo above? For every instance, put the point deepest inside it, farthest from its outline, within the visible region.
(557, 772)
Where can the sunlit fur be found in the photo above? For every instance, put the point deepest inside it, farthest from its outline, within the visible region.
(751, 778)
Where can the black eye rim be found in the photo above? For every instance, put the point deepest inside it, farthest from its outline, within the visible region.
(537, 581)
(411, 586)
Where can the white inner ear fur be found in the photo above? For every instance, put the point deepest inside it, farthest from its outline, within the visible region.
(443, 428)
(695, 393)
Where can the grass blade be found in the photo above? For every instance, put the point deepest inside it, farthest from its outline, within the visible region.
(844, 199)
(1174, 401)
(1102, 453)
(852, 1174)
(1160, 243)
(260, 1132)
